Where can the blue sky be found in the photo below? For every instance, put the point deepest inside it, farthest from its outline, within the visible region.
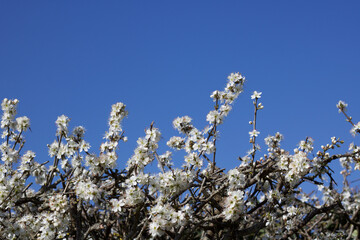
(164, 58)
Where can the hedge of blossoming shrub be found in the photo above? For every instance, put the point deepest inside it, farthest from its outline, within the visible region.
(83, 196)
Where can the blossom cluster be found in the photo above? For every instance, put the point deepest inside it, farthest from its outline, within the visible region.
(82, 195)
(165, 218)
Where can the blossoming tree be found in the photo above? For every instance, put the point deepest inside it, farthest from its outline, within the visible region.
(83, 196)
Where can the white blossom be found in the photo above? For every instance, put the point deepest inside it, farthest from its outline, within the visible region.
(256, 95)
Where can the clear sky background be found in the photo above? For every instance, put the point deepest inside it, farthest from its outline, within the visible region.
(164, 58)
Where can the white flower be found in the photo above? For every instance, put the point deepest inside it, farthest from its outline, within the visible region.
(176, 142)
(154, 229)
(254, 133)
(215, 95)
(53, 148)
(291, 210)
(236, 179)
(304, 198)
(214, 117)
(225, 109)
(165, 159)
(341, 105)
(153, 134)
(236, 78)
(133, 196)
(58, 203)
(355, 129)
(87, 190)
(22, 123)
(256, 95)
(84, 146)
(28, 157)
(234, 205)
(183, 124)
(208, 147)
(62, 123)
(193, 159)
